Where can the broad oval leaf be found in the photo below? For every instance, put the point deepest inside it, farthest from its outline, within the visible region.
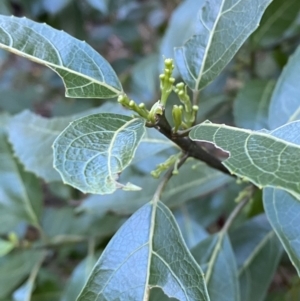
(283, 212)
(283, 209)
(224, 26)
(285, 102)
(148, 251)
(216, 258)
(258, 251)
(262, 157)
(85, 73)
(92, 151)
(251, 105)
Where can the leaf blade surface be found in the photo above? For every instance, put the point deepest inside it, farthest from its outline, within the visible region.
(85, 73)
(225, 25)
(91, 152)
(134, 261)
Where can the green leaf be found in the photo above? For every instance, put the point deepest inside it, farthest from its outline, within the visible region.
(27, 129)
(206, 54)
(85, 73)
(148, 251)
(277, 19)
(182, 26)
(191, 230)
(264, 158)
(5, 247)
(15, 267)
(194, 180)
(285, 105)
(258, 252)
(91, 152)
(78, 279)
(283, 211)
(251, 105)
(216, 258)
(20, 192)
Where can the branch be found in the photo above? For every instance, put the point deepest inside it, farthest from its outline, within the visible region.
(188, 146)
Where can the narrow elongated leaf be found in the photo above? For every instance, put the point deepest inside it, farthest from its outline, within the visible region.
(20, 192)
(224, 26)
(264, 158)
(258, 252)
(191, 182)
(278, 17)
(251, 106)
(85, 73)
(91, 152)
(15, 267)
(216, 258)
(283, 211)
(148, 251)
(285, 103)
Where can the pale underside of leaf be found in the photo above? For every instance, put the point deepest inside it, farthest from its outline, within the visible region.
(92, 151)
(154, 256)
(285, 102)
(225, 25)
(84, 72)
(263, 158)
(283, 211)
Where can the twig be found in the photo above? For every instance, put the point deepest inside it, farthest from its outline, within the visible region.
(237, 210)
(188, 146)
(160, 188)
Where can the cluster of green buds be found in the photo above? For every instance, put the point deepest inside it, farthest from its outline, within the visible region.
(172, 161)
(166, 81)
(131, 105)
(186, 114)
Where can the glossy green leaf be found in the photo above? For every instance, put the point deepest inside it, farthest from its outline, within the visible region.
(264, 158)
(78, 279)
(148, 251)
(91, 152)
(15, 267)
(20, 192)
(276, 20)
(85, 73)
(285, 105)
(224, 27)
(251, 105)
(194, 180)
(283, 211)
(5, 247)
(258, 251)
(216, 258)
